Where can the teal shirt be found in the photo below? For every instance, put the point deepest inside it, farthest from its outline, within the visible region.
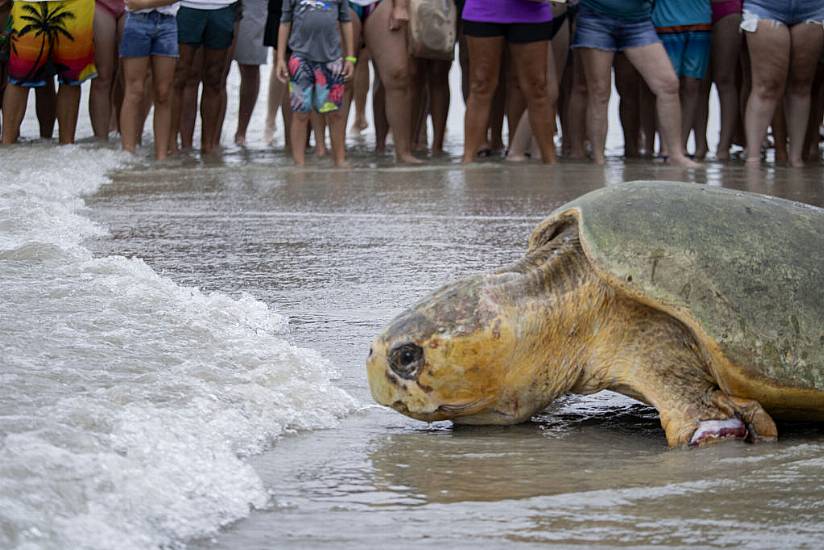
(626, 10)
(674, 13)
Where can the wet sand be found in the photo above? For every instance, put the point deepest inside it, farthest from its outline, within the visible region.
(341, 253)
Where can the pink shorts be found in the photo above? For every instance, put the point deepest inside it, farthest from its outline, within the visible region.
(725, 8)
(114, 7)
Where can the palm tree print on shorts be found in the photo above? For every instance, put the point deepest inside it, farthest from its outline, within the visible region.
(47, 21)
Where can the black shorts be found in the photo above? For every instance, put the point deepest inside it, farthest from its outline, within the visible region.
(270, 33)
(517, 33)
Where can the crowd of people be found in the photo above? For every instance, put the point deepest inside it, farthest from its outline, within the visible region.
(545, 68)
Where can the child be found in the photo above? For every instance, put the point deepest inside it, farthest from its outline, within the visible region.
(316, 69)
(149, 36)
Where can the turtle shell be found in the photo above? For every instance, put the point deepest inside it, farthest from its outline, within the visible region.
(744, 272)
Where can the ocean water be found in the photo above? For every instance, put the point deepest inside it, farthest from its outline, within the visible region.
(128, 403)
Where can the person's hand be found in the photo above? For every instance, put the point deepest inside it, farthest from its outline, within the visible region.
(399, 16)
(348, 70)
(282, 71)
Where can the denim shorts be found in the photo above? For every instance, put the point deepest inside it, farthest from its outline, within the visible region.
(214, 29)
(603, 32)
(788, 12)
(147, 34)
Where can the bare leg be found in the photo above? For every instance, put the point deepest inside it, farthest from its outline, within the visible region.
(379, 114)
(68, 106)
(655, 67)
(649, 127)
(726, 51)
(214, 85)
(816, 114)
(249, 89)
(105, 57)
(299, 131)
(134, 73)
(627, 82)
(689, 92)
(14, 109)
(361, 91)
(319, 129)
(182, 71)
(770, 45)
(702, 113)
(495, 140)
(45, 102)
(337, 133)
(145, 107)
(273, 100)
(807, 42)
(779, 132)
(597, 66)
(224, 97)
(523, 138)
(439, 97)
(514, 97)
(484, 56)
(578, 100)
(388, 48)
(163, 69)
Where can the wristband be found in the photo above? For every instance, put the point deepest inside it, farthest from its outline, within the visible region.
(351, 58)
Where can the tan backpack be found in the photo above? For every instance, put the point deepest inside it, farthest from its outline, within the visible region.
(432, 28)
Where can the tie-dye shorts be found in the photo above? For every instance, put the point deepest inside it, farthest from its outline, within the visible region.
(48, 38)
(315, 85)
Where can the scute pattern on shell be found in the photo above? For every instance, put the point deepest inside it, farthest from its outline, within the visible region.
(748, 269)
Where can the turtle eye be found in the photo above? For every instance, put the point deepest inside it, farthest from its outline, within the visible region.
(405, 360)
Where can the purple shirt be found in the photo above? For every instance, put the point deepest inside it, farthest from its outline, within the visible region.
(507, 11)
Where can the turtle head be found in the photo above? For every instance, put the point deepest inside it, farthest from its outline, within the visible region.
(453, 356)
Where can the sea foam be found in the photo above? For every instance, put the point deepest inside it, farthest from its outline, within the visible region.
(128, 403)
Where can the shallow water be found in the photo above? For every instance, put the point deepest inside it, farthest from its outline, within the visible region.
(341, 253)
(183, 364)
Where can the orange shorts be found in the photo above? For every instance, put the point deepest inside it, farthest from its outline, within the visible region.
(51, 38)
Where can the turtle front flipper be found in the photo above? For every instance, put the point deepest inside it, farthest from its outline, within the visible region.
(749, 414)
(655, 358)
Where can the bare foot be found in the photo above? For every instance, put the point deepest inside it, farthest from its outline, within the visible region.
(683, 162)
(359, 126)
(409, 158)
(269, 135)
(780, 155)
(516, 158)
(342, 164)
(240, 140)
(722, 154)
(797, 163)
(320, 151)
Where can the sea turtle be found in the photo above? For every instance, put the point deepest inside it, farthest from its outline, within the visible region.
(706, 303)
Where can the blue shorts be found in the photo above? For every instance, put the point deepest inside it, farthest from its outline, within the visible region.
(147, 34)
(214, 29)
(788, 12)
(603, 32)
(689, 52)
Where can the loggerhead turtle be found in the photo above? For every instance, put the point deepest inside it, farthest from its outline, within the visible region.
(706, 303)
